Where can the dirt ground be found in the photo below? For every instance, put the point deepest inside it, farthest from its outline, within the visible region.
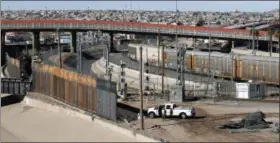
(203, 128)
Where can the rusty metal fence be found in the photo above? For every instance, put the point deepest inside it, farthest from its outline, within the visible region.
(13, 67)
(85, 92)
(81, 91)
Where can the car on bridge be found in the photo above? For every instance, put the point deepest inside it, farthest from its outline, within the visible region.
(171, 110)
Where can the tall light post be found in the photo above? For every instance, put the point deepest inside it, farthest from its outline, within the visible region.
(59, 48)
(162, 76)
(279, 49)
(141, 87)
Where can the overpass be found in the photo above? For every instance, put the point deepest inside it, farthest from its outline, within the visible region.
(111, 27)
(240, 26)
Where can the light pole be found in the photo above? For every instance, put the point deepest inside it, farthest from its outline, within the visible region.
(59, 49)
(209, 68)
(141, 87)
(278, 36)
(162, 76)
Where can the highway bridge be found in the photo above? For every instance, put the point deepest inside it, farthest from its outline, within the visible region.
(241, 26)
(129, 27)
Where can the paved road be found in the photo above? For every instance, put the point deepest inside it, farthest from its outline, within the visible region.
(20, 123)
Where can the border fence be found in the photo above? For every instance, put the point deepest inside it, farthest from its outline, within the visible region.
(15, 86)
(82, 91)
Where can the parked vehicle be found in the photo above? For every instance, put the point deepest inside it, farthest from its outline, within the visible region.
(171, 110)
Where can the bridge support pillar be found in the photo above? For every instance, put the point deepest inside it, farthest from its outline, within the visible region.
(3, 57)
(194, 43)
(112, 48)
(2, 39)
(230, 42)
(158, 44)
(254, 42)
(36, 43)
(73, 45)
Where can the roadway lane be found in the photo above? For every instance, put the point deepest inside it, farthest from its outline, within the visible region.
(20, 122)
(116, 58)
(90, 55)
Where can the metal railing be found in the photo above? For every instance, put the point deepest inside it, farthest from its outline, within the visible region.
(130, 28)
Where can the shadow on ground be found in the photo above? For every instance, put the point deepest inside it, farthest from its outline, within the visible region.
(11, 99)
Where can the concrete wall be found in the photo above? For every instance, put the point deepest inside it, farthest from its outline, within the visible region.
(132, 77)
(80, 114)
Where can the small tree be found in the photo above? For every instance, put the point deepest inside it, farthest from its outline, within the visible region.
(200, 22)
(235, 21)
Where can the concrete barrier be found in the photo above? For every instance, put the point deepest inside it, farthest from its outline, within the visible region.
(81, 114)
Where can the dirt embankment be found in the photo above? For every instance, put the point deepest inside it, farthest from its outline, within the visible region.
(203, 128)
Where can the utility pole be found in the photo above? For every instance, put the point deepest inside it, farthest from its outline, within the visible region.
(147, 70)
(122, 83)
(26, 48)
(279, 56)
(59, 48)
(253, 40)
(162, 76)
(79, 55)
(52, 46)
(278, 49)
(270, 42)
(233, 69)
(141, 87)
(209, 68)
(107, 55)
(158, 44)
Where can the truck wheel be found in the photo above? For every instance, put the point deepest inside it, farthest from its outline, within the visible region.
(183, 115)
(152, 115)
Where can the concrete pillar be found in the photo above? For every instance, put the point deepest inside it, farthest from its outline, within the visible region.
(3, 57)
(194, 43)
(158, 44)
(59, 48)
(253, 42)
(2, 39)
(112, 48)
(36, 43)
(73, 45)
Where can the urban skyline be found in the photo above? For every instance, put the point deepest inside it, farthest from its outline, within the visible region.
(219, 6)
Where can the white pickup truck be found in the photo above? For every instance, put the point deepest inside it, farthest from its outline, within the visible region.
(171, 110)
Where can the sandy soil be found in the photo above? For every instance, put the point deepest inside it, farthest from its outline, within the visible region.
(20, 122)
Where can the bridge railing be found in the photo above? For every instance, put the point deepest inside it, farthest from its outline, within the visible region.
(201, 31)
